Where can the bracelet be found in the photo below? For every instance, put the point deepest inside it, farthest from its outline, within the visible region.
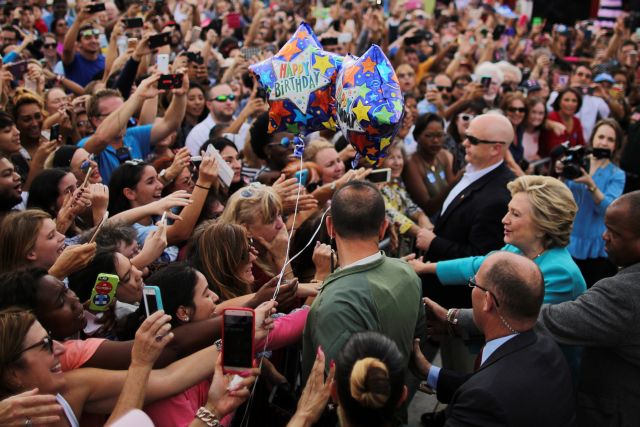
(452, 320)
(593, 189)
(207, 417)
(203, 187)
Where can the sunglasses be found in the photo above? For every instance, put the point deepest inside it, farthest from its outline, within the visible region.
(445, 88)
(84, 166)
(475, 141)
(517, 110)
(466, 117)
(45, 343)
(472, 284)
(49, 45)
(224, 98)
(90, 33)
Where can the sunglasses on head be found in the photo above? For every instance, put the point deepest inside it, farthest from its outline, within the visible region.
(224, 98)
(89, 33)
(475, 141)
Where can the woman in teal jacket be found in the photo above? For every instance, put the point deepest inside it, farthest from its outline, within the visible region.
(537, 225)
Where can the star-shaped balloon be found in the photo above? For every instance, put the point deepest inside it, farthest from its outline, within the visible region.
(300, 82)
(369, 104)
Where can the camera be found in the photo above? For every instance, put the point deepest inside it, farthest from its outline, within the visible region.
(574, 160)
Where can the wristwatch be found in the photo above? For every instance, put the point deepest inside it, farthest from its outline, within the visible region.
(452, 320)
(162, 176)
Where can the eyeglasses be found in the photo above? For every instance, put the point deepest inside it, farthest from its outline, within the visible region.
(90, 33)
(466, 117)
(224, 98)
(445, 88)
(472, 284)
(517, 110)
(49, 45)
(45, 343)
(475, 141)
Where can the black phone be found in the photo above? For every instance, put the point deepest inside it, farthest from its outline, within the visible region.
(237, 339)
(262, 93)
(498, 31)
(18, 69)
(170, 81)
(96, 7)
(54, 132)
(133, 22)
(601, 153)
(158, 40)
(485, 81)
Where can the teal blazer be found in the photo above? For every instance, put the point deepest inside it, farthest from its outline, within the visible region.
(562, 278)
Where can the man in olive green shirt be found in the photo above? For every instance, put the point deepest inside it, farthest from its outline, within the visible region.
(369, 292)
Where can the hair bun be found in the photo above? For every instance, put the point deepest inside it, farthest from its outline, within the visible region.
(370, 382)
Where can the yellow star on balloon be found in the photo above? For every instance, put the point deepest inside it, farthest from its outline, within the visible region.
(362, 111)
(322, 63)
(384, 142)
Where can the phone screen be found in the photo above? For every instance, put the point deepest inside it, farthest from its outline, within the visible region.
(380, 175)
(238, 340)
(151, 303)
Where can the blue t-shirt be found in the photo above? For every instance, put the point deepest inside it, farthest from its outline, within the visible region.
(137, 138)
(82, 70)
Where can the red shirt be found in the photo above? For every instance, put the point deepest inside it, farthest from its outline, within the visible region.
(549, 140)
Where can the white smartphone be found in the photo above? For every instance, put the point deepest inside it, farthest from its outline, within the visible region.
(122, 45)
(162, 61)
(344, 38)
(195, 34)
(225, 173)
(379, 175)
(152, 299)
(237, 339)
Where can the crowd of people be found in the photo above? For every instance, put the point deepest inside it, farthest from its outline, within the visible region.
(135, 144)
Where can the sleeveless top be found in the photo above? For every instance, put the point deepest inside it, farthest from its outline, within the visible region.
(68, 412)
(435, 178)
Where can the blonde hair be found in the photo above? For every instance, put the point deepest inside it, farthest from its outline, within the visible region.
(18, 235)
(554, 207)
(15, 323)
(255, 203)
(314, 147)
(369, 383)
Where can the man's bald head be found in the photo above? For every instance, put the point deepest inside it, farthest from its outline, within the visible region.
(494, 133)
(495, 127)
(517, 284)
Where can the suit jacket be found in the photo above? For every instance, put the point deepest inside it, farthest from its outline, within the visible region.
(471, 225)
(525, 382)
(605, 321)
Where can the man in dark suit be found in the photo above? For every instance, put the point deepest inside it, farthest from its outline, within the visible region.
(470, 220)
(523, 378)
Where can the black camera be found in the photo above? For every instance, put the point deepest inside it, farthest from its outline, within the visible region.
(574, 160)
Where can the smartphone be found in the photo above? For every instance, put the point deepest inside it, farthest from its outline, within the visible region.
(18, 69)
(344, 38)
(158, 40)
(485, 81)
(233, 20)
(96, 7)
(133, 22)
(103, 221)
(54, 132)
(498, 31)
(195, 34)
(302, 176)
(250, 52)
(122, 45)
(536, 20)
(262, 93)
(225, 173)
(237, 339)
(162, 61)
(170, 81)
(379, 175)
(152, 299)
(563, 80)
(103, 292)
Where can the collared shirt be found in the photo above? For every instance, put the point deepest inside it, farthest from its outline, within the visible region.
(470, 176)
(489, 348)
